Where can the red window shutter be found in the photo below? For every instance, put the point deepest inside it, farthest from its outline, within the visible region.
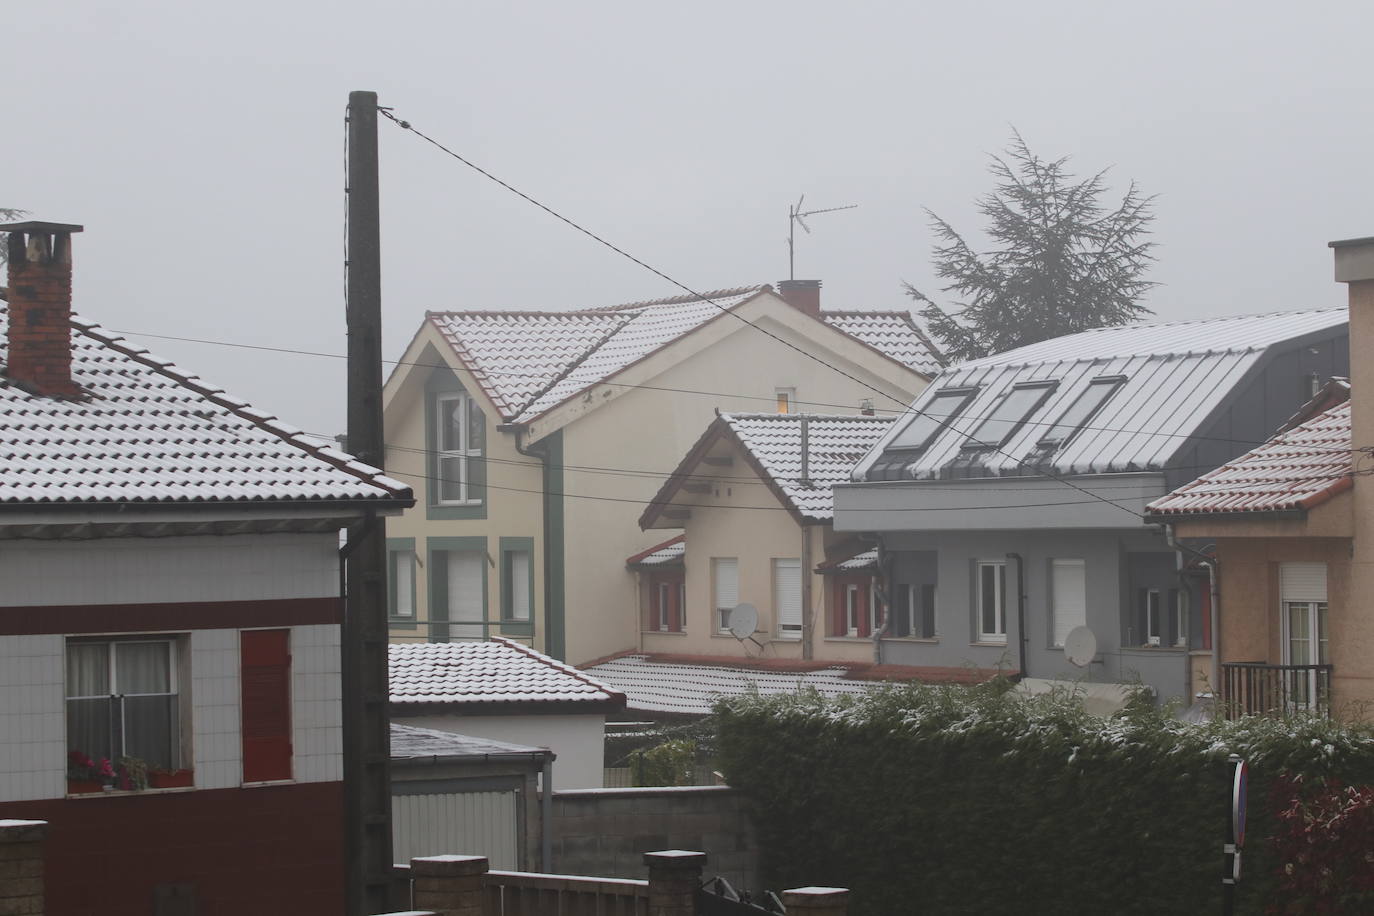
(861, 600)
(837, 621)
(675, 604)
(265, 674)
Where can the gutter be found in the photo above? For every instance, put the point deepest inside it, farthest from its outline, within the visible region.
(1021, 637)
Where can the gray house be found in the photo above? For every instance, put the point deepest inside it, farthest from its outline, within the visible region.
(1008, 504)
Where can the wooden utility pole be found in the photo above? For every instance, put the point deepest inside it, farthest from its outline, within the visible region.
(366, 725)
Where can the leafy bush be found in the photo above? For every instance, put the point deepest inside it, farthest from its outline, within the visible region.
(668, 764)
(958, 800)
(1324, 847)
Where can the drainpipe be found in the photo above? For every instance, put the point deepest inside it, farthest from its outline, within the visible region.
(881, 590)
(351, 544)
(808, 628)
(543, 457)
(1214, 612)
(1021, 636)
(546, 819)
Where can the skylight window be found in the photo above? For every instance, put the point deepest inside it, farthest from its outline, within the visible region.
(1006, 418)
(1083, 409)
(947, 404)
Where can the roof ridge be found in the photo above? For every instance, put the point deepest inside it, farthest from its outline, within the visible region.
(559, 665)
(241, 408)
(512, 313)
(764, 415)
(726, 293)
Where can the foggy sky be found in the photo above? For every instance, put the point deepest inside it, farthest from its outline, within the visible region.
(202, 147)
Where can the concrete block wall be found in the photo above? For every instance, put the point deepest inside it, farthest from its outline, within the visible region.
(608, 831)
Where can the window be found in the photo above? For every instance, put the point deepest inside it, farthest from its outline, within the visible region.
(1181, 618)
(457, 588)
(787, 600)
(853, 609)
(725, 576)
(1083, 409)
(1302, 594)
(122, 701)
(400, 577)
(850, 599)
(265, 679)
(1008, 414)
(1068, 597)
(663, 607)
(991, 598)
(787, 399)
(944, 406)
(667, 598)
(1153, 624)
(460, 432)
(517, 580)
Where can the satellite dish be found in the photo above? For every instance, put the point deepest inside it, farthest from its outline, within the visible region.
(742, 621)
(1080, 646)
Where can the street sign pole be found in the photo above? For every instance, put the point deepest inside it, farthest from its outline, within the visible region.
(1235, 836)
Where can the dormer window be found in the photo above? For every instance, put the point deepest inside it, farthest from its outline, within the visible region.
(1009, 414)
(947, 404)
(1083, 409)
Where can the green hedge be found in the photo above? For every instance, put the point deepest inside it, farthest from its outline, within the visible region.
(969, 800)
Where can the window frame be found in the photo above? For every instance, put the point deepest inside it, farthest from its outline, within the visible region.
(510, 623)
(972, 440)
(443, 385)
(789, 632)
(983, 635)
(672, 585)
(1153, 617)
(1114, 384)
(400, 550)
(965, 395)
(720, 622)
(462, 454)
(436, 550)
(785, 400)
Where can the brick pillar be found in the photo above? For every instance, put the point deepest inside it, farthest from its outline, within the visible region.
(817, 901)
(674, 876)
(449, 885)
(40, 307)
(21, 867)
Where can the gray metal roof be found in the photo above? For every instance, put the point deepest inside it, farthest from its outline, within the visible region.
(1176, 376)
(409, 742)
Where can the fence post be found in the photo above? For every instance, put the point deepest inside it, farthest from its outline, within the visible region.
(449, 885)
(21, 866)
(674, 876)
(817, 901)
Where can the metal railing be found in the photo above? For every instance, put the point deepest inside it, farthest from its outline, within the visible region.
(1260, 689)
(515, 893)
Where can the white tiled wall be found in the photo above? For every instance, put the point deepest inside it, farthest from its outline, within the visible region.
(317, 717)
(155, 570)
(33, 737)
(216, 750)
(33, 741)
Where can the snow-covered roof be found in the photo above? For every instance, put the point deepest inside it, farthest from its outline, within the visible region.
(669, 553)
(497, 672)
(1166, 381)
(1295, 470)
(668, 687)
(409, 742)
(772, 443)
(868, 559)
(529, 362)
(149, 433)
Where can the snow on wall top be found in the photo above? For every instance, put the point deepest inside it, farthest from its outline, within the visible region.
(499, 671)
(1175, 375)
(1295, 470)
(151, 433)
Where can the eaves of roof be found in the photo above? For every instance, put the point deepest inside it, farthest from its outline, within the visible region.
(650, 551)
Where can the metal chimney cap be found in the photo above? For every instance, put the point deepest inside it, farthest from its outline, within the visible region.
(38, 225)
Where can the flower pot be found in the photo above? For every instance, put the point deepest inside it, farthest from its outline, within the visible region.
(174, 779)
(84, 786)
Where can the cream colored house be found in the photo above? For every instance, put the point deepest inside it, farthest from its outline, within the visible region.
(754, 500)
(535, 439)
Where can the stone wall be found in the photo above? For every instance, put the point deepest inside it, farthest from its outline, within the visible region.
(608, 831)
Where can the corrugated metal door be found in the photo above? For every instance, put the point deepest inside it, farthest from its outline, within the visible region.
(462, 823)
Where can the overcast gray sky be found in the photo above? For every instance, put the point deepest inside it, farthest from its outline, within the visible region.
(202, 147)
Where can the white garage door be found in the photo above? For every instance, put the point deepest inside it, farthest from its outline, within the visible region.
(461, 823)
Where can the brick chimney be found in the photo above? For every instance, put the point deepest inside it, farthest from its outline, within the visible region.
(802, 295)
(40, 307)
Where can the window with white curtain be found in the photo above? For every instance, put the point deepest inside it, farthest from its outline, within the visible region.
(122, 701)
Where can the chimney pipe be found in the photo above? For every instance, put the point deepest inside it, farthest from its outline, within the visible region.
(40, 307)
(802, 295)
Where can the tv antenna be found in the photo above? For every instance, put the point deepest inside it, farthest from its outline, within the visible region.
(796, 216)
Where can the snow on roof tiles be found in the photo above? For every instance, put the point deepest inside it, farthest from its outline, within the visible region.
(654, 686)
(866, 560)
(669, 552)
(409, 742)
(530, 362)
(150, 433)
(1295, 470)
(1176, 375)
(834, 445)
(499, 671)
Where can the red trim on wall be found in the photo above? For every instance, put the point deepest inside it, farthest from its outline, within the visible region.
(169, 616)
(268, 850)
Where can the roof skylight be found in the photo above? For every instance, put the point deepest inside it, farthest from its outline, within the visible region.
(1013, 410)
(1083, 409)
(947, 404)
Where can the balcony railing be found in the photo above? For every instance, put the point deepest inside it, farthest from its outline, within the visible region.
(1259, 689)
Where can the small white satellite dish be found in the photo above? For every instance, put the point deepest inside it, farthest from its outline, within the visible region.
(742, 621)
(1080, 646)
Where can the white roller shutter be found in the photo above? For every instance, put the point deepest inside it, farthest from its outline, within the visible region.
(466, 598)
(1069, 592)
(787, 581)
(727, 582)
(1302, 581)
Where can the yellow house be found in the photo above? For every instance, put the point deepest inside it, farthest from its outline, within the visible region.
(535, 439)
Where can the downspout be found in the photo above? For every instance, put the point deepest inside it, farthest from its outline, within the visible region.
(546, 819)
(808, 628)
(1214, 611)
(1021, 636)
(544, 551)
(351, 544)
(881, 592)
